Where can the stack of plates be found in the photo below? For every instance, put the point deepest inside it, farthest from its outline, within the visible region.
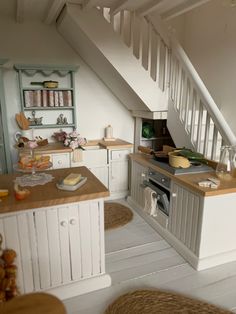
(67, 187)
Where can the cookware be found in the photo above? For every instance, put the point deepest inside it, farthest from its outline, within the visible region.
(159, 155)
(188, 153)
(46, 84)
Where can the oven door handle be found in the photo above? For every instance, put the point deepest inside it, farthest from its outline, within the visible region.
(153, 187)
(145, 184)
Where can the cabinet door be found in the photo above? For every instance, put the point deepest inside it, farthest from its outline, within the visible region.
(138, 174)
(101, 173)
(118, 176)
(185, 215)
(56, 246)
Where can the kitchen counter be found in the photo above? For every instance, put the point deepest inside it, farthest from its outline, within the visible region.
(190, 180)
(198, 222)
(58, 235)
(58, 147)
(49, 194)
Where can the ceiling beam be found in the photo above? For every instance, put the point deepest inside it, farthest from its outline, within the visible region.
(88, 4)
(54, 11)
(119, 5)
(182, 8)
(20, 9)
(149, 7)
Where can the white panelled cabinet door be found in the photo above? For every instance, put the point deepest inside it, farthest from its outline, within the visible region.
(118, 176)
(101, 173)
(56, 245)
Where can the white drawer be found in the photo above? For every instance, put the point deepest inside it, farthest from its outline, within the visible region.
(61, 160)
(119, 154)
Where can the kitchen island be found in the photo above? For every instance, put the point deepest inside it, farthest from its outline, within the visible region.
(58, 235)
(200, 223)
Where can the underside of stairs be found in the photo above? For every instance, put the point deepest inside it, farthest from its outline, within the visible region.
(149, 73)
(96, 42)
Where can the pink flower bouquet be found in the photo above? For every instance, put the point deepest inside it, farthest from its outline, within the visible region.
(73, 140)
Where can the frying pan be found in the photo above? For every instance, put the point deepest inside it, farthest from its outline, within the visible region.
(159, 155)
(46, 84)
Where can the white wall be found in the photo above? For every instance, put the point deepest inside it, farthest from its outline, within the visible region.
(209, 40)
(36, 43)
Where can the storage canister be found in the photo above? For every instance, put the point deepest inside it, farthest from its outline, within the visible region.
(109, 131)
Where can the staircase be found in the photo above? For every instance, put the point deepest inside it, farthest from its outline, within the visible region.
(149, 72)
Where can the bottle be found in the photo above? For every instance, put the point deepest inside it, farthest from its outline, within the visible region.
(225, 169)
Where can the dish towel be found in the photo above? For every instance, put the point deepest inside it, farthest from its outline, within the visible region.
(77, 155)
(150, 205)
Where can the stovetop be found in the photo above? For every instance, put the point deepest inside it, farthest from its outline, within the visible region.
(196, 167)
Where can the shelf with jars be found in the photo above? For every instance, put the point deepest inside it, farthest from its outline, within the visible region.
(47, 95)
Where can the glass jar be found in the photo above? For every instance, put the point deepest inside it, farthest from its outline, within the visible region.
(225, 169)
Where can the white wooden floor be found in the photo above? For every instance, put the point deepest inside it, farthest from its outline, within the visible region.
(138, 257)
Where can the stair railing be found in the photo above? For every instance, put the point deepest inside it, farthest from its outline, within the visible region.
(170, 67)
(197, 110)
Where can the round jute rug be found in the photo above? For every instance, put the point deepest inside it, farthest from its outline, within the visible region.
(160, 302)
(116, 215)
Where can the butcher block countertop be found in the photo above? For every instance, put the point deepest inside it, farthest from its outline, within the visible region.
(58, 147)
(190, 181)
(48, 194)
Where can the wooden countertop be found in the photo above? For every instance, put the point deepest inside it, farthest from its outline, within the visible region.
(49, 194)
(190, 181)
(60, 148)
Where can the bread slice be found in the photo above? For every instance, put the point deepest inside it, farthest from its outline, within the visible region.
(72, 179)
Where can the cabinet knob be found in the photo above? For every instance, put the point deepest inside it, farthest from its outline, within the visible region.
(59, 162)
(173, 194)
(63, 223)
(73, 222)
(143, 175)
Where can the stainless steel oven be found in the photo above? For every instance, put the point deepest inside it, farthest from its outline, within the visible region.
(160, 184)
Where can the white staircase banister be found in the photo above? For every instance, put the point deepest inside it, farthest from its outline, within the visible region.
(216, 115)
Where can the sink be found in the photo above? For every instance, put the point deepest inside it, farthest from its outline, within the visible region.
(92, 147)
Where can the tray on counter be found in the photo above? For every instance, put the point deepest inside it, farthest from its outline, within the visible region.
(66, 187)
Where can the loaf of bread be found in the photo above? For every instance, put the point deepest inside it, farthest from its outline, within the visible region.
(72, 179)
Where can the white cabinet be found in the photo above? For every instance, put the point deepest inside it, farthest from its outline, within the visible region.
(119, 172)
(57, 246)
(101, 172)
(95, 159)
(138, 175)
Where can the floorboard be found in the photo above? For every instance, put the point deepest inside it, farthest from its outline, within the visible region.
(138, 257)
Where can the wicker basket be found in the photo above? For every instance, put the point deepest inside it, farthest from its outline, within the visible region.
(177, 161)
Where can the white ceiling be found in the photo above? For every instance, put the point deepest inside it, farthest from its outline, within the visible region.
(48, 10)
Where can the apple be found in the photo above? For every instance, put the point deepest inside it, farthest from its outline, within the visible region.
(20, 194)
